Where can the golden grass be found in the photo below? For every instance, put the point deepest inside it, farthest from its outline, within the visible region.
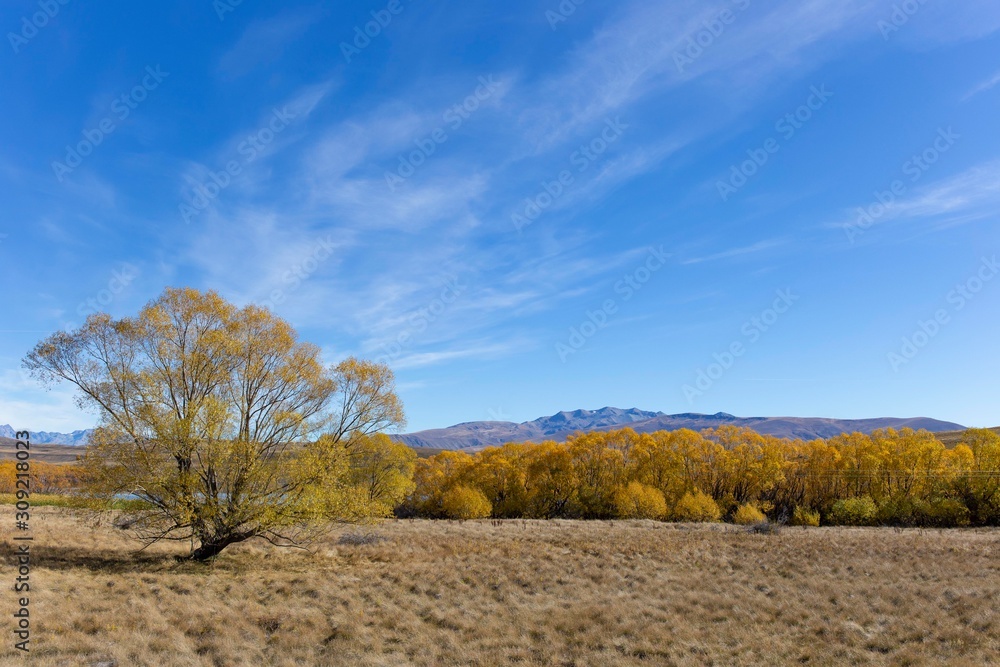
(521, 592)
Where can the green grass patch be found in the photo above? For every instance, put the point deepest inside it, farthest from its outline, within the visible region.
(52, 500)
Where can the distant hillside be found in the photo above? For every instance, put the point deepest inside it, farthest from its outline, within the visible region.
(65, 447)
(40, 452)
(562, 424)
(480, 434)
(952, 438)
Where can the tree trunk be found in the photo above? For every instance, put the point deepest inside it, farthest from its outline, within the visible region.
(209, 549)
(212, 546)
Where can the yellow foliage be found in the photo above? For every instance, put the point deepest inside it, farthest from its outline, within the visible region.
(697, 507)
(462, 502)
(598, 469)
(803, 516)
(860, 511)
(382, 471)
(747, 514)
(223, 422)
(551, 481)
(501, 473)
(432, 478)
(638, 501)
(46, 478)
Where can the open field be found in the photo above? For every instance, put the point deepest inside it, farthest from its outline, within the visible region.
(44, 453)
(520, 592)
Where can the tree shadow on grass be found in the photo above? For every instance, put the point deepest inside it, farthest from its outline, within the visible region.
(108, 561)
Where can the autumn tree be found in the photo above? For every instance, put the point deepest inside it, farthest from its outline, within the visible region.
(890, 477)
(433, 477)
(219, 419)
(500, 473)
(381, 470)
(979, 483)
(697, 506)
(657, 461)
(638, 501)
(599, 470)
(464, 502)
(551, 480)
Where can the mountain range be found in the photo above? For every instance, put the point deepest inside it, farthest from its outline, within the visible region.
(473, 435)
(46, 437)
(562, 424)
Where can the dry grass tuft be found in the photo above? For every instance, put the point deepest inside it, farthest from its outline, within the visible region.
(361, 539)
(518, 592)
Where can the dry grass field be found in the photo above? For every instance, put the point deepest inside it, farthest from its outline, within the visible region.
(44, 453)
(525, 593)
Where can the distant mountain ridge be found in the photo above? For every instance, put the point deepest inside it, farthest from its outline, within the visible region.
(470, 435)
(76, 438)
(562, 424)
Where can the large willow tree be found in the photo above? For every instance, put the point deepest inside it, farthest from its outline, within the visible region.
(220, 419)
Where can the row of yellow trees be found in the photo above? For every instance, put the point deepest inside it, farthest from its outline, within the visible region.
(890, 477)
(46, 478)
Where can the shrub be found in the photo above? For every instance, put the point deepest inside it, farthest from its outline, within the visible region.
(897, 512)
(463, 502)
(854, 512)
(983, 512)
(697, 506)
(764, 528)
(942, 513)
(638, 501)
(747, 514)
(803, 516)
(936, 512)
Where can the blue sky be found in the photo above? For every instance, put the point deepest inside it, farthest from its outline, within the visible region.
(783, 208)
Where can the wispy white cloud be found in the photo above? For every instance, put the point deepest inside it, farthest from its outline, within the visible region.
(969, 196)
(265, 40)
(444, 219)
(988, 84)
(491, 351)
(936, 23)
(738, 252)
